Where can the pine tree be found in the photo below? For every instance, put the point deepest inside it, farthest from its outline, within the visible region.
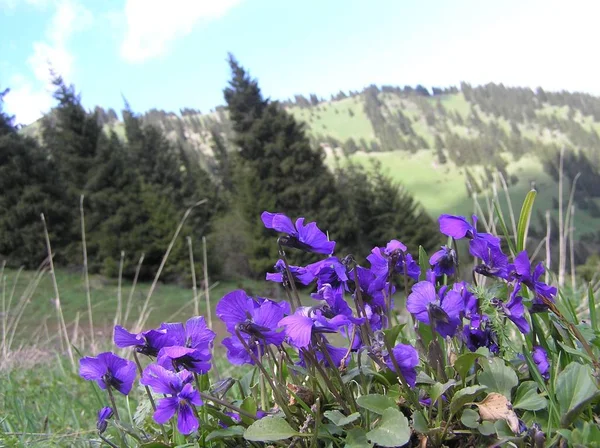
(277, 170)
(29, 187)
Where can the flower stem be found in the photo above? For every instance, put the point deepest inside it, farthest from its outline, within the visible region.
(112, 401)
(226, 404)
(290, 277)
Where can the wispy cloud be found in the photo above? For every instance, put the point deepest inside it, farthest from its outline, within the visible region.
(153, 25)
(30, 98)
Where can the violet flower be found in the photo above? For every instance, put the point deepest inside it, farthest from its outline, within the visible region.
(392, 258)
(335, 353)
(521, 271)
(494, 262)
(336, 305)
(479, 334)
(147, 343)
(257, 321)
(103, 415)
(192, 359)
(181, 397)
(444, 261)
(458, 227)
(300, 274)
(540, 358)
(515, 310)
(308, 237)
(330, 271)
(425, 304)
(108, 370)
(306, 321)
(195, 334)
(407, 358)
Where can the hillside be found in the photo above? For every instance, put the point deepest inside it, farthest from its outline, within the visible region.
(440, 146)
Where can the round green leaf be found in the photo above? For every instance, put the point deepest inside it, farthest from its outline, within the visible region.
(270, 429)
(527, 397)
(470, 418)
(498, 377)
(393, 430)
(376, 403)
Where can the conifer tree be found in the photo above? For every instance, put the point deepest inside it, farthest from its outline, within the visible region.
(277, 170)
(29, 186)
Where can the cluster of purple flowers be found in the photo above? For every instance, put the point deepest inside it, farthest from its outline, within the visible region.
(258, 326)
(180, 352)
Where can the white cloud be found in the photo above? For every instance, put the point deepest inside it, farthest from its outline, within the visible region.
(28, 99)
(154, 24)
(26, 103)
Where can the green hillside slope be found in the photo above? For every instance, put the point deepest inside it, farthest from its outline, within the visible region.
(437, 144)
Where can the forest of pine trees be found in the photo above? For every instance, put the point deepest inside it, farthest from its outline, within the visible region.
(136, 189)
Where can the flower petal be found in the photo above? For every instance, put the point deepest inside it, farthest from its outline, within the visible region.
(165, 409)
(187, 422)
(423, 293)
(161, 380)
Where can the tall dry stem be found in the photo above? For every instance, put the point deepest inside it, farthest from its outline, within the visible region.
(61, 317)
(86, 275)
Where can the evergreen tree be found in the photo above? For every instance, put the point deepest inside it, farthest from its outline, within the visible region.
(29, 186)
(277, 170)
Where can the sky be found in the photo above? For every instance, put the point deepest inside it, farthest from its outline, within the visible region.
(172, 54)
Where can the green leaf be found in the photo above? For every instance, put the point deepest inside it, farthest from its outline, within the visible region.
(393, 429)
(509, 240)
(470, 418)
(419, 422)
(376, 403)
(391, 334)
(498, 377)
(527, 397)
(438, 389)
(232, 431)
(487, 428)
(423, 263)
(464, 396)
(270, 429)
(340, 419)
(248, 405)
(357, 438)
(580, 354)
(592, 308)
(154, 445)
(464, 362)
(575, 389)
(524, 217)
(503, 430)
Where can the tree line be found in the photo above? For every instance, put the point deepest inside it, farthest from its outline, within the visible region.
(137, 185)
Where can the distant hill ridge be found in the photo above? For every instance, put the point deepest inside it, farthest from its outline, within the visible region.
(442, 145)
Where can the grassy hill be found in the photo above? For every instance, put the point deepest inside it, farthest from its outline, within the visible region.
(435, 144)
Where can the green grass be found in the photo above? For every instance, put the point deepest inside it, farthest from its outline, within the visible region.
(333, 118)
(442, 188)
(168, 302)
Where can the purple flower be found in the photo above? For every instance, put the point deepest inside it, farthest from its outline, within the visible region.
(494, 262)
(469, 299)
(521, 271)
(336, 305)
(107, 369)
(407, 359)
(479, 334)
(540, 358)
(299, 273)
(308, 238)
(195, 334)
(254, 318)
(181, 397)
(392, 258)
(177, 358)
(335, 353)
(445, 308)
(306, 321)
(103, 415)
(458, 227)
(234, 416)
(444, 261)
(515, 310)
(147, 343)
(257, 321)
(330, 271)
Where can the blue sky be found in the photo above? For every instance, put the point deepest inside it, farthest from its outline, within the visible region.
(171, 54)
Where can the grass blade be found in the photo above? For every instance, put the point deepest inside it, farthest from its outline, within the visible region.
(524, 219)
